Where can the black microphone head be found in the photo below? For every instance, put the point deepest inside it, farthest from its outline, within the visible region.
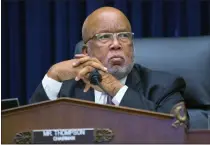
(95, 77)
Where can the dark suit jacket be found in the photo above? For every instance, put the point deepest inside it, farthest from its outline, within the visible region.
(149, 90)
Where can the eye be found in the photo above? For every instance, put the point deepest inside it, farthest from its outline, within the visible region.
(104, 36)
(124, 35)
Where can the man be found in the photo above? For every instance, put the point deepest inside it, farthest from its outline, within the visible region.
(108, 48)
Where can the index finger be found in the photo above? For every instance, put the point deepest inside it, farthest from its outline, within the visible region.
(80, 55)
(85, 59)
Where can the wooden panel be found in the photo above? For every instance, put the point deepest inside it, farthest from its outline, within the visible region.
(129, 125)
(198, 136)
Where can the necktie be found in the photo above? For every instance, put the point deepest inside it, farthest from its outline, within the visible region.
(109, 100)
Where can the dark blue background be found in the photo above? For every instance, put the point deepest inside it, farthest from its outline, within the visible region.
(39, 33)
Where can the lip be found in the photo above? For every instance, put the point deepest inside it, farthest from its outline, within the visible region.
(116, 56)
(116, 60)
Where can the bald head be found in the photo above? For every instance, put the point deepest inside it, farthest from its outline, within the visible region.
(105, 19)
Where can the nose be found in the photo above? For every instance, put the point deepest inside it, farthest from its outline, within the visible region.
(115, 44)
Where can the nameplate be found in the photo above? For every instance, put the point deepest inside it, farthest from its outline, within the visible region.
(67, 136)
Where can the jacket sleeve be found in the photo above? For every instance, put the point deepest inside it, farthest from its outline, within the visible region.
(39, 95)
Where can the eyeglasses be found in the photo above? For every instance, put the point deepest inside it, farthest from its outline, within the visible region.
(109, 37)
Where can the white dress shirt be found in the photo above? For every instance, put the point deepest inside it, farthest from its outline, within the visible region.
(52, 88)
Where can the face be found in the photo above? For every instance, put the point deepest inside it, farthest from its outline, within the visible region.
(116, 55)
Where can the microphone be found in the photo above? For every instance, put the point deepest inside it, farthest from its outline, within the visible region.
(95, 78)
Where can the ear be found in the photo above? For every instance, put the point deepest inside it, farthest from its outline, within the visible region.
(84, 49)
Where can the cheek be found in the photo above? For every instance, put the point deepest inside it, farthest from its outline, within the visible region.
(129, 53)
(102, 57)
(99, 52)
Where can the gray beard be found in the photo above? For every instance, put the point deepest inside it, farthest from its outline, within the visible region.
(121, 72)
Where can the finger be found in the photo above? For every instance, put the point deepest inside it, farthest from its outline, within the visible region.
(95, 65)
(81, 60)
(80, 55)
(92, 86)
(84, 72)
(86, 81)
(78, 60)
(85, 59)
(91, 62)
(87, 87)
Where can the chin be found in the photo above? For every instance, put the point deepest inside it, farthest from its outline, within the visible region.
(120, 72)
(116, 67)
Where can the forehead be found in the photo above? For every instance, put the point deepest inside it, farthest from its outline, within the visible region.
(111, 22)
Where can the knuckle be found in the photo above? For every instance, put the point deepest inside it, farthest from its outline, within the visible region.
(80, 73)
(87, 58)
(88, 75)
(95, 59)
(92, 63)
(89, 68)
(88, 63)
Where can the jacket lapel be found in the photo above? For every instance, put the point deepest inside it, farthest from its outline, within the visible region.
(134, 80)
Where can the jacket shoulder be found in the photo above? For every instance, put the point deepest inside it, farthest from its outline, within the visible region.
(155, 76)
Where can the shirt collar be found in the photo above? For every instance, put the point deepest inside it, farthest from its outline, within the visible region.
(123, 80)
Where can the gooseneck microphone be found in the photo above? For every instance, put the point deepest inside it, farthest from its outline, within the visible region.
(95, 78)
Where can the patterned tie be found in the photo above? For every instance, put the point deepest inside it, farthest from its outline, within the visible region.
(109, 100)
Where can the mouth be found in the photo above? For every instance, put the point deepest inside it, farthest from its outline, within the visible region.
(116, 60)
